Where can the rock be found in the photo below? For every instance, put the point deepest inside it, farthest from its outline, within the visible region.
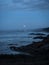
(39, 37)
(36, 34)
(33, 48)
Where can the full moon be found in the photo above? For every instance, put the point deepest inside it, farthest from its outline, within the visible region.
(24, 26)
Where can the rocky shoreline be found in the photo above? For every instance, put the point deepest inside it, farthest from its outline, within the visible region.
(39, 53)
(35, 46)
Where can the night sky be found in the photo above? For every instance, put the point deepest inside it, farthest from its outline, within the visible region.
(20, 14)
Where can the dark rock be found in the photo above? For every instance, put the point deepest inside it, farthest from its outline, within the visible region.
(31, 33)
(12, 44)
(36, 34)
(39, 37)
(32, 48)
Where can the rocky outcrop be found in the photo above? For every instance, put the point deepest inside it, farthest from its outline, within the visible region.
(35, 47)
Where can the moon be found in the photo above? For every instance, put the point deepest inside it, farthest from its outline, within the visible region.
(24, 26)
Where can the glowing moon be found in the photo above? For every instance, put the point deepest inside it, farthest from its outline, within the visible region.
(24, 26)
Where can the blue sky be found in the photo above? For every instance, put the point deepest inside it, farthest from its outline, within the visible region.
(14, 14)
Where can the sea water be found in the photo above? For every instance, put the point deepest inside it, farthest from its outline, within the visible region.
(17, 39)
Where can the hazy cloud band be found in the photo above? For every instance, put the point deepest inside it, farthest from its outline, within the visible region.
(24, 4)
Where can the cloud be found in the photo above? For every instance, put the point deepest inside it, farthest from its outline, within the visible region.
(26, 4)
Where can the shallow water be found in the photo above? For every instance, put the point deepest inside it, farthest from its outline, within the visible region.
(16, 39)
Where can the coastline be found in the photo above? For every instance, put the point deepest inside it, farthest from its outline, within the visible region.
(39, 53)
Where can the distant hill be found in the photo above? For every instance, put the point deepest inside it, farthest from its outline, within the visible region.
(42, 29)
(46, 29)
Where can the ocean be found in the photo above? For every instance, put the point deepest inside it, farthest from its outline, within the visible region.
(16, 38)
